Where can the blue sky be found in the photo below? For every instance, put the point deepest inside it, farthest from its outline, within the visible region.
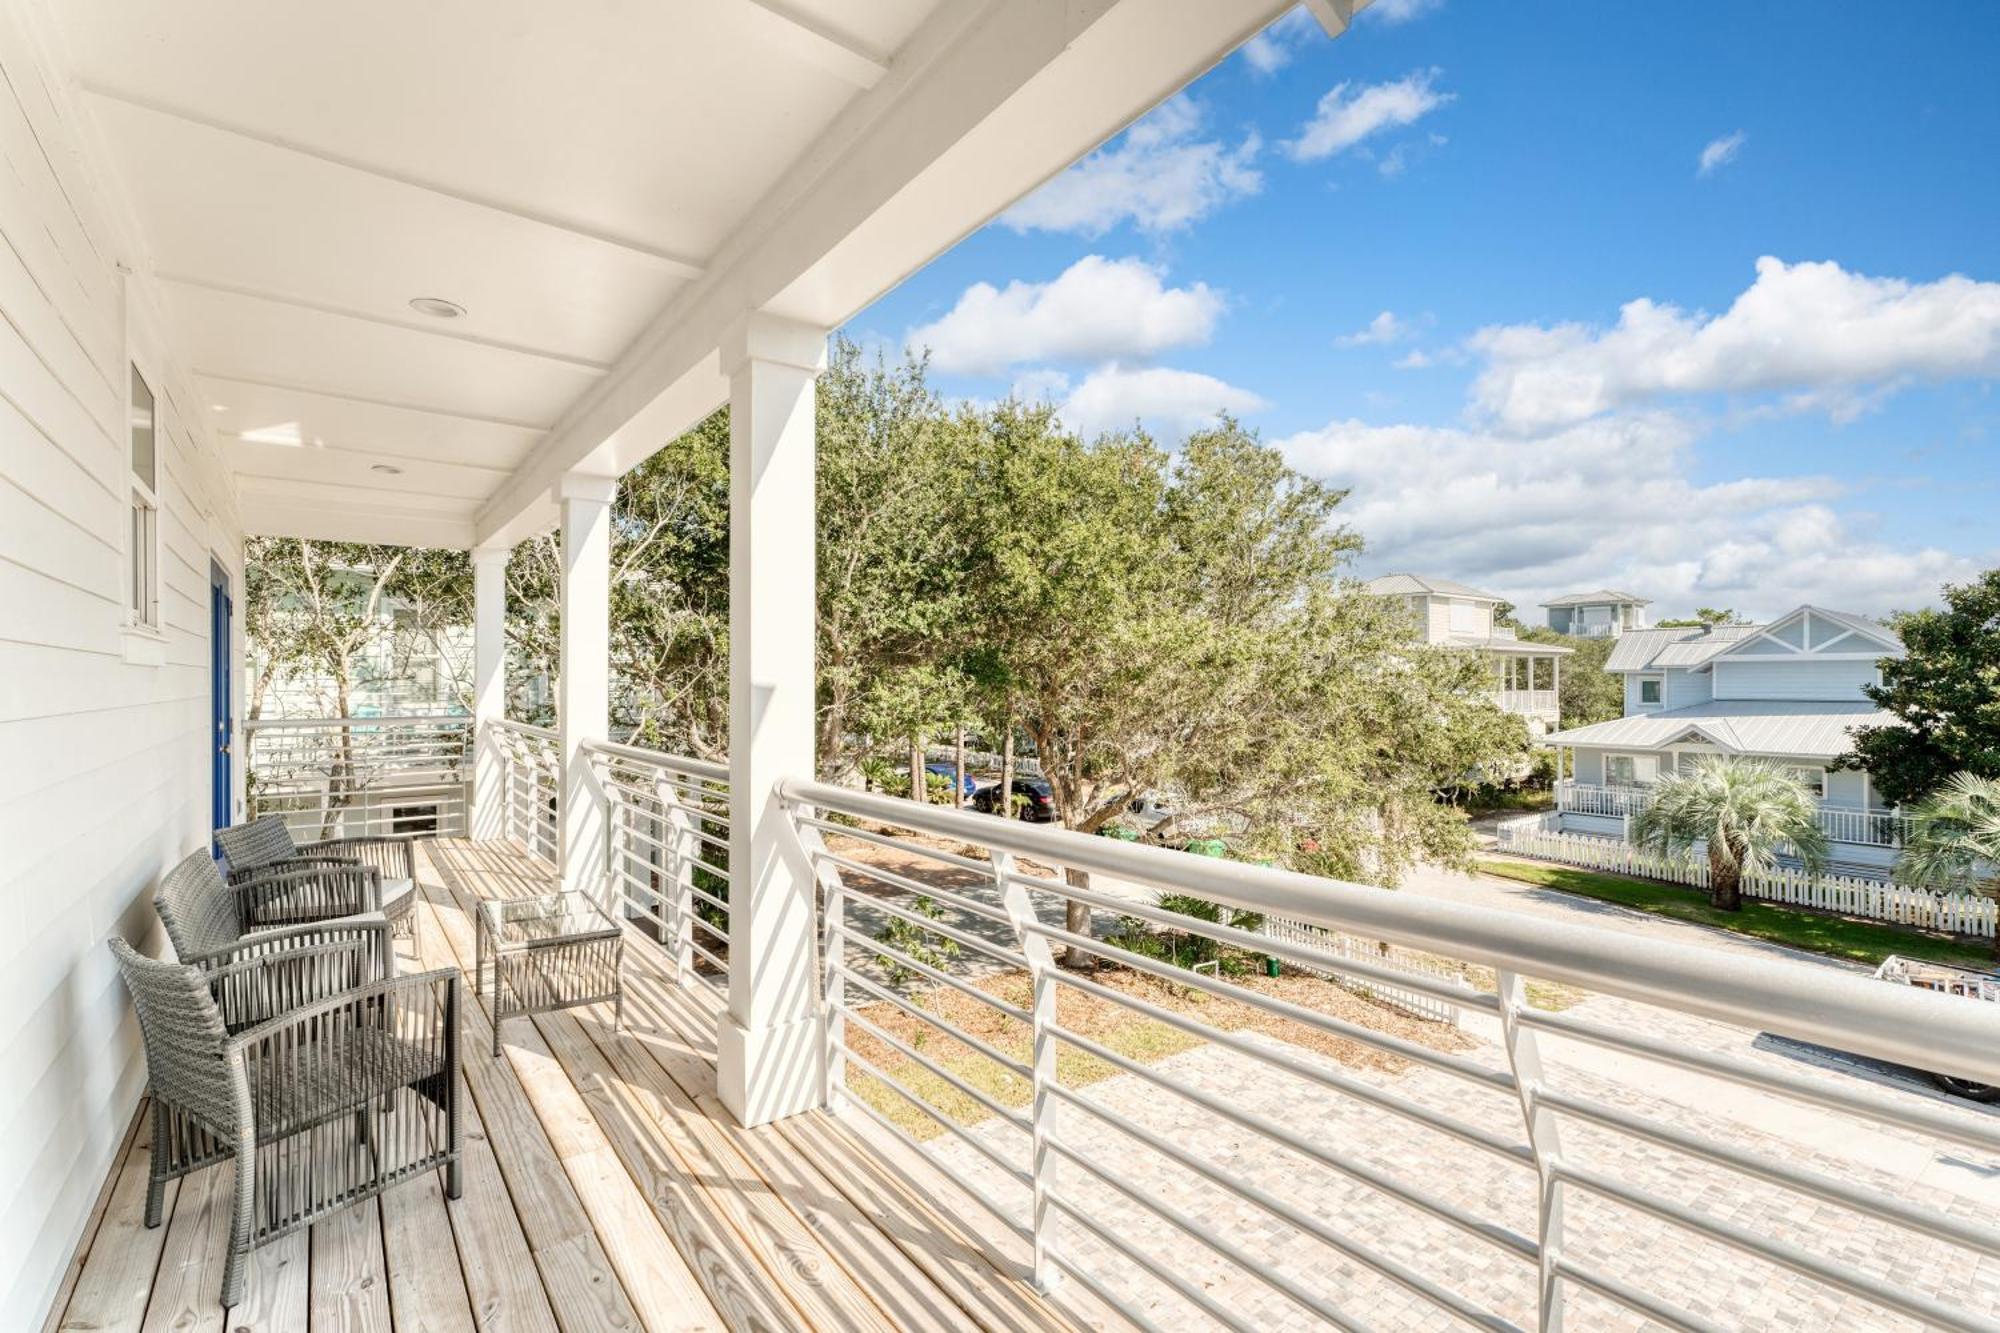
(1411, 258)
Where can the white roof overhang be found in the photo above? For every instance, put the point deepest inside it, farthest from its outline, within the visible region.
(607, 191)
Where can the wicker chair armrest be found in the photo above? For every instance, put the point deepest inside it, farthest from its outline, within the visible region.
(248, 873)
(418, 1007)
(274, 972)
(299, 895)
(394, 853)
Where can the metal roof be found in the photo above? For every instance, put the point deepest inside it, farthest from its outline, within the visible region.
(1601, 597)
(1417, 585)
(1809, 729)
(1689, 645)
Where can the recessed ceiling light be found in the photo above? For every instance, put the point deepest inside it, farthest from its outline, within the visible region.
(218, 407)
(437, 306)
(386, 469)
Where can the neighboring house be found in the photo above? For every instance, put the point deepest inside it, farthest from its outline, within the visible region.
(400, 673)
(1527, 677)
(1603, 614)
(1788, 692)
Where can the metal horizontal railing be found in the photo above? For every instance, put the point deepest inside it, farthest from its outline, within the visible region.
(1871, 828)
(531, 785)
(354, 776)
(1208, 1144)
(667, 826)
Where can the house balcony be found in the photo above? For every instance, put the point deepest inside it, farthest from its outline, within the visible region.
(1543, 704)
(1841, 824)
(1428, 1113)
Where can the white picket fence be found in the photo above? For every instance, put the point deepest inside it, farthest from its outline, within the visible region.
(1853, 895)
(1414, 1003)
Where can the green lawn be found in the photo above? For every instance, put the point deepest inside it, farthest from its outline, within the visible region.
(1841, 937)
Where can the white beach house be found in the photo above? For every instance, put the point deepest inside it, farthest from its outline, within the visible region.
(1603, 613)
(438, 275)
(1527, 677)
(1788, 692)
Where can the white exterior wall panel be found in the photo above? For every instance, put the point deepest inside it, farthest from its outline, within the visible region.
(1793, 678)
(1684, 688)
(106, 778)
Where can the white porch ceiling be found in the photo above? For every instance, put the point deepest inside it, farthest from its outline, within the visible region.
(602, 185)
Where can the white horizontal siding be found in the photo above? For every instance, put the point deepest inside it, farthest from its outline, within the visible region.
(1793, 678)
(1684, 688)
(104, 776)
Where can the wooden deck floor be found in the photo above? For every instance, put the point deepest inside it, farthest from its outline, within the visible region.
(606, 1188)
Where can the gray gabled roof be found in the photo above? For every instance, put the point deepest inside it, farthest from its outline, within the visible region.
(1808, 729)
(1601, 597)
(1684, 646)
(1417, 585)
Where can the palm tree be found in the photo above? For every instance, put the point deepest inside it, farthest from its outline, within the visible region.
(1954, 839)
(1745, 810)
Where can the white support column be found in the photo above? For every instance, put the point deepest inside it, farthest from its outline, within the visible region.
(487, 817)
(583, 684)
(768, 1049)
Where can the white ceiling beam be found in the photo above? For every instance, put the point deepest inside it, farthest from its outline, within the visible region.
(1333, 15)
(816, 42)
(321, 391)
(318, 520)
(433, 329)
(685, 266)
(981, 105)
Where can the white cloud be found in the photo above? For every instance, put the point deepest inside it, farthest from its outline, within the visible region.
(1415, 359)
(1169, 403)
(1162, 175)
(1720, 152)
(1098, 309)
(1395, 12)
(1347, 115)
(1610, 502)
(1383, 329)
(1838, 341)
(1272, 49)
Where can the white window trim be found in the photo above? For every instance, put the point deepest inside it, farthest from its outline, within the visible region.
(1639, 691)
(143, 634)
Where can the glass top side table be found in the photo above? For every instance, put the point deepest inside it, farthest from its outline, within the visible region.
(552, 951)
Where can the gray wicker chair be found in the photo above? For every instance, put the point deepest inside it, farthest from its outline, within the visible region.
(265, 843)
(203, 913)
(325, 1081)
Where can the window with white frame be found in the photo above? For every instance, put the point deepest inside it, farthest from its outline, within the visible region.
(143, 591)
(1651, 690)
(1812, 779)
(1466, 617)
(1630, 770)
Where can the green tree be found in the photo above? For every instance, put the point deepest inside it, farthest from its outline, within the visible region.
(1703, 615)
(1747, 812)
(1184, 623)
(1944, 693)
(1954, 839)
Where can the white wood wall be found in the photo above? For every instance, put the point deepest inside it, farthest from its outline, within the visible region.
(104, 764)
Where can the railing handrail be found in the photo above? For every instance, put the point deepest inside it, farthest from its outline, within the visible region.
(700, 768)
(527, 729)
(1844, 1010)
(317, 723)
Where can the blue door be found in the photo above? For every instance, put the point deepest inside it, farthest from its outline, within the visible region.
(220, 612)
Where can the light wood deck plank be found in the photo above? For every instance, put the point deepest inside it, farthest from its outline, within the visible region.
(426, 1283)
(606, 1188)
(663, 1288)
(350, 1283)
(119, 1259)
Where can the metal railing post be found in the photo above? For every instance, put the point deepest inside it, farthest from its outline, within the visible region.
(1524, 1057)
(1042, 1106)
(832, 956)
(679, 840)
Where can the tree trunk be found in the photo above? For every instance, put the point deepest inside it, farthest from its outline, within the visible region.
(1007, 770)
(958, 778)
(917, 774)
(1076, 920)
(1725, 879)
